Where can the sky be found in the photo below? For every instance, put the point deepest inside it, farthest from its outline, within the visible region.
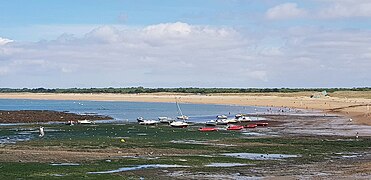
(185, 43)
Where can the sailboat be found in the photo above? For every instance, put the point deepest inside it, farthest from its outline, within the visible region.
(182, 116)
(180, 124)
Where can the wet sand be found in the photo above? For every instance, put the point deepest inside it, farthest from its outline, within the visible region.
(359, 109)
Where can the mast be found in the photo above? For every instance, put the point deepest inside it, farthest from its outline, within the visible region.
(179, 110)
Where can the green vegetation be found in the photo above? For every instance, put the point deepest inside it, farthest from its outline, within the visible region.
(135, 90)
(160, 140)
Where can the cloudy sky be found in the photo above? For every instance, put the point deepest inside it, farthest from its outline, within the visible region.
(184, 43)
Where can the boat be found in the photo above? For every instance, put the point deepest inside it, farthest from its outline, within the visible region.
(70, 123)
(243, 119)
(250, 126)
(207, 129)
(179, 124)
(238, 115)
(221, 116)
(262, 124)
(221, 122)
(84, 121)
(231, 121)
(181, 115)
(211, 123)
(148, 122)
(234, 128)
(140, 119)
(166, 120)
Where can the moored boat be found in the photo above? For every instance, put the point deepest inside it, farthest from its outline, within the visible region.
(140, 119)
(221, 116)
(250, 126)
(234, 128)
(166, 120)
(84, 121)
(243, 119)
(71, 123)
(207, 129)
(221, 122)
(149, 122)
(231, 121)
(182, 117)
(179, 124)
(211, 123)
(262, 124)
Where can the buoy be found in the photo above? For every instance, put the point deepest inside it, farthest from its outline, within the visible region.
(122, 140)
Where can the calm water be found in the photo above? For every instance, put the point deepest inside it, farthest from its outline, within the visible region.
(129, 110)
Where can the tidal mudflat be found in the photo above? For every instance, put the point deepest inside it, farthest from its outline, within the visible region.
(129, 150)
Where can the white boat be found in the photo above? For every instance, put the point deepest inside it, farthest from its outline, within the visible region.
(166, 120)
(148, 122)
(71, 123)
(84, 121)
(181, 117)
(221, 116)
(221, 122)
(243, 119)
(179, 124)
(211, 123)
(231, 121)
(140, 119)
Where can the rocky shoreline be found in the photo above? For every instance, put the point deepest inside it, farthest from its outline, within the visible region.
(31, 116)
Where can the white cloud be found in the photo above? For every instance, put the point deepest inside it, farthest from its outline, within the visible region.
(346, 9)
(181, 54)
(4, 41)
(285, 11)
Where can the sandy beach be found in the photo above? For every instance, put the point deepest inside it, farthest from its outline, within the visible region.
(357, 107)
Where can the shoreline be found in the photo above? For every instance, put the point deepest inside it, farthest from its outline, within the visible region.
(359, 109)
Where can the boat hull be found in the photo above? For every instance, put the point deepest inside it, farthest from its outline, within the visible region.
(207, 129)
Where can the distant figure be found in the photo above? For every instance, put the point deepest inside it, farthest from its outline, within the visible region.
(357, 135)
(350, 120)
(41, 130)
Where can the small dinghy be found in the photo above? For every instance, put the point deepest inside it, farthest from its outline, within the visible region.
(251, 126)
(234, 128)
(207, 129)
(262, 124)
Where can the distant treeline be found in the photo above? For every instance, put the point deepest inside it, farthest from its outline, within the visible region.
(135, 90)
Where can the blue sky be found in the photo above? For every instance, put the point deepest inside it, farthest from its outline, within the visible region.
(216, 43)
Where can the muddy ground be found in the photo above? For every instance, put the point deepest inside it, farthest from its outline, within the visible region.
(32, 116)
(327, 145)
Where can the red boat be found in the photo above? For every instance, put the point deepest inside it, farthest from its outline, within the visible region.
(251, 126)
(235, 128)
(207, 129)
(262, 124)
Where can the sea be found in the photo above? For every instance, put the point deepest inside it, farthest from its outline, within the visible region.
(130, 111)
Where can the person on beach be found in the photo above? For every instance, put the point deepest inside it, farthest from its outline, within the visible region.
(41, 130)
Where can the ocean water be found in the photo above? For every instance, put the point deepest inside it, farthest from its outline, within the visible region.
(130, 110)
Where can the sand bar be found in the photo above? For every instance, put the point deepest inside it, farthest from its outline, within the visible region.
(359, 109)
